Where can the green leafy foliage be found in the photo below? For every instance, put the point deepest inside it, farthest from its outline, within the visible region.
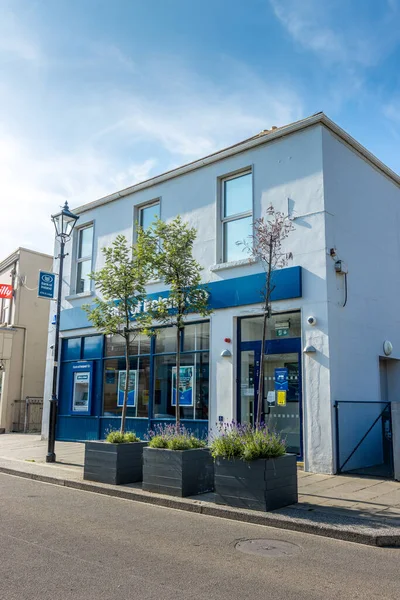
(121, 285)
(116, 437)
(246, 442)
(176, 266)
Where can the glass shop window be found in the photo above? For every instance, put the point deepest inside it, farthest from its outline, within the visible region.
(280, 326)
(193, 388)
(138, 344)
(138, 387)
(196, 336)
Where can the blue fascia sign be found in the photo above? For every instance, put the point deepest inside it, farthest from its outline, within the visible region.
(46, 285)
(226, 293)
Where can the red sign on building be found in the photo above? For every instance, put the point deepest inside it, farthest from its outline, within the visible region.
(6, 290)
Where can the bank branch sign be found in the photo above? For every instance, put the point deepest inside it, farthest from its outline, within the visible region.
(46, 285)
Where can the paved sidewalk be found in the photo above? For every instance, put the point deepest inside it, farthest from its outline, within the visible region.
(336, 501)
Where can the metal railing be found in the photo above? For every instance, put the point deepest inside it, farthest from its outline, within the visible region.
(364, 438)
(27, 415)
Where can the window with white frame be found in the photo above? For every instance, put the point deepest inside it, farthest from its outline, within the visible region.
(236, 214)
(148, 213)
(84, 259)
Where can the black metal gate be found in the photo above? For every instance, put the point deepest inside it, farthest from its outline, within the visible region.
(27, 415)
(364, 442)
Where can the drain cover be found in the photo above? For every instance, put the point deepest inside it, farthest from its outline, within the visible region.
(263, 547)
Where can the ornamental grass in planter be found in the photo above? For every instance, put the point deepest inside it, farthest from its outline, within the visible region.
(177, 463)
(252, 468)
(116, 460)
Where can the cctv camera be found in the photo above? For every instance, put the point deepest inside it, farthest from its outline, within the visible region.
(312, 321)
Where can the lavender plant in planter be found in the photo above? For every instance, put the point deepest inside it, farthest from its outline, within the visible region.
(252, 468)
(117, 460)
(177, 463)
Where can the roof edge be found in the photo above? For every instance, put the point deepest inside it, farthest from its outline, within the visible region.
(9, 261)
(318, 118)
(15, 256)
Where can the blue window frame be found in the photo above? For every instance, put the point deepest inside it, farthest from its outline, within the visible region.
(248, 362)
(94, 418)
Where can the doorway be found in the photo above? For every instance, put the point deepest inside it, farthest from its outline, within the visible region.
(281, 408)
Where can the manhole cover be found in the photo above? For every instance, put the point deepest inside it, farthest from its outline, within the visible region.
(273, 548)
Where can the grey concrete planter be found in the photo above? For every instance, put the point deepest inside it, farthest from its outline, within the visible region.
(263, 484)
(113, 463)
(178, 472)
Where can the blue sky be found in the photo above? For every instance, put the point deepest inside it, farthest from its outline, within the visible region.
(96, 95)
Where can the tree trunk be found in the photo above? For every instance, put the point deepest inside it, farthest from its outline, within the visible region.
(261, 370)
(178, 375)
(125, 404)
(267, 312)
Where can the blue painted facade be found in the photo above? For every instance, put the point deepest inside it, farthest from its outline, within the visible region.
(238, 291)
(95, 424)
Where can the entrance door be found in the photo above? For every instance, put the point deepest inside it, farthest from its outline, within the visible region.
(282, 371)
(282, 407)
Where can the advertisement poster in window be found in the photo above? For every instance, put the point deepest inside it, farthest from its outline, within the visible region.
(131, 388)
(186, 386)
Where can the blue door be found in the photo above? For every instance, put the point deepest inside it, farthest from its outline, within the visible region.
(281, 406)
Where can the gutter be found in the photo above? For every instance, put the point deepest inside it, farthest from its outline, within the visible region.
(9, 261)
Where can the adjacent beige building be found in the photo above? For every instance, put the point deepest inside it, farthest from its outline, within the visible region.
(24, 322)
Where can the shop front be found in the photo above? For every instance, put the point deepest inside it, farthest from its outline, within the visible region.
(282, 402)
(93, 368)
(93, 375)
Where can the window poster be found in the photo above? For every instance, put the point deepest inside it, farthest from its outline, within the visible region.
(186, 386)
(281, 379)
(132, 388)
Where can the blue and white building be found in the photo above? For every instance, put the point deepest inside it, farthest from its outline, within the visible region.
(334, 305)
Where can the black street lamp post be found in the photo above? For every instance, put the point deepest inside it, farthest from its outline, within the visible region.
(64, 223)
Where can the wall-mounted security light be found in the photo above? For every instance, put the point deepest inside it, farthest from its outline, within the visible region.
(309, 350)
(225, 353)
(341, 267)
(387, 348)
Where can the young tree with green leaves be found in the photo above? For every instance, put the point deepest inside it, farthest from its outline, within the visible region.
(178, 269)
(122, 286)
(265, 245)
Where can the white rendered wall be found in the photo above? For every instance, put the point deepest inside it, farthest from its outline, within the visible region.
(363, 224)
(288, 174)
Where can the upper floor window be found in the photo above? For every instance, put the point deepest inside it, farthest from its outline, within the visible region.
(148, 214)
(84, 259)
(237, 214)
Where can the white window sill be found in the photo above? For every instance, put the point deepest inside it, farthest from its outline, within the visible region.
(77, 296)
(233, 264)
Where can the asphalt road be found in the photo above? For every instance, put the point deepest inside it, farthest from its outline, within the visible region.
(61, 544)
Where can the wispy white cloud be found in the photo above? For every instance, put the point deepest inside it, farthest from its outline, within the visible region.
(391, 110)
(200, 117)
(16, 42)
(327, 29)
(34, 186)
(154, 115)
